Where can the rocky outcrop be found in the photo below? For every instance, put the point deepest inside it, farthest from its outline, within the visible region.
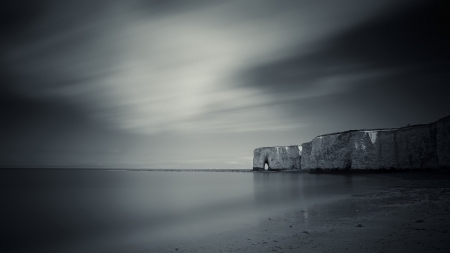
(277, 158)
(414, 147)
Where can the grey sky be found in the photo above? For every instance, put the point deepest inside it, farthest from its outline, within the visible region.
(180, 84)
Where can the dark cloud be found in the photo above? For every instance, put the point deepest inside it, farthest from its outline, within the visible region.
(18, 15)
(393, 67)
(418, 36)
(42, 132)
(161, 7)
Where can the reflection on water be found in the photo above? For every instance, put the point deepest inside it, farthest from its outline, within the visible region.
(110, 211)
(276, 193)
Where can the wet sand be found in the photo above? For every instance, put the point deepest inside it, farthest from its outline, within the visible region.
(412, 215)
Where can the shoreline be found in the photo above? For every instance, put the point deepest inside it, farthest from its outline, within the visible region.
(411, 215)
(311, 171)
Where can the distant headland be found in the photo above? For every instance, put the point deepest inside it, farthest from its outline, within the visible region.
(416, 147)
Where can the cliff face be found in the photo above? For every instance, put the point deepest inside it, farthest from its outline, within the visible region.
(414, 147)
(443, 142)
(277, 158)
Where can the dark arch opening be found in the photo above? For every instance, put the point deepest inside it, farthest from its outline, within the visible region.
(266, 163)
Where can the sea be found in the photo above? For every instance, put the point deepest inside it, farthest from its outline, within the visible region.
(62, 210)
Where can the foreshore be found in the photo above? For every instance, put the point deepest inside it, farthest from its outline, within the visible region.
(412, 215)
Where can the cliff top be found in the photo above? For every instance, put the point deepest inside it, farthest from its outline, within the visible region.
(298, 146)
(384, 129)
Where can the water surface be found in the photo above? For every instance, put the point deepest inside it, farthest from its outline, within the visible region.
(114, 211)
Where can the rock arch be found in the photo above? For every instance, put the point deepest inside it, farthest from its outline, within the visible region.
(277, 158)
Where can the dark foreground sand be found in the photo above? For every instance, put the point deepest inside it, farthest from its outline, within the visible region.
(411, 216)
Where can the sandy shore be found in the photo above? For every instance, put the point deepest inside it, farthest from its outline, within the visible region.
(411, 216)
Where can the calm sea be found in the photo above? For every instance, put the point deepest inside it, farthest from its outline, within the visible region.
(115, 211)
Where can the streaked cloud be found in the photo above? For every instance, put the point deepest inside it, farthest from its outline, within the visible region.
(183, 76)
(170, 67)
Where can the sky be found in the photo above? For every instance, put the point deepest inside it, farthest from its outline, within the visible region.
(201, 84)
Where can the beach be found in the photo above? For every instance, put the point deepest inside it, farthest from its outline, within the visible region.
(412, 215)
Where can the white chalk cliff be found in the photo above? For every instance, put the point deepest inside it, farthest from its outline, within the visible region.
(424, 146)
